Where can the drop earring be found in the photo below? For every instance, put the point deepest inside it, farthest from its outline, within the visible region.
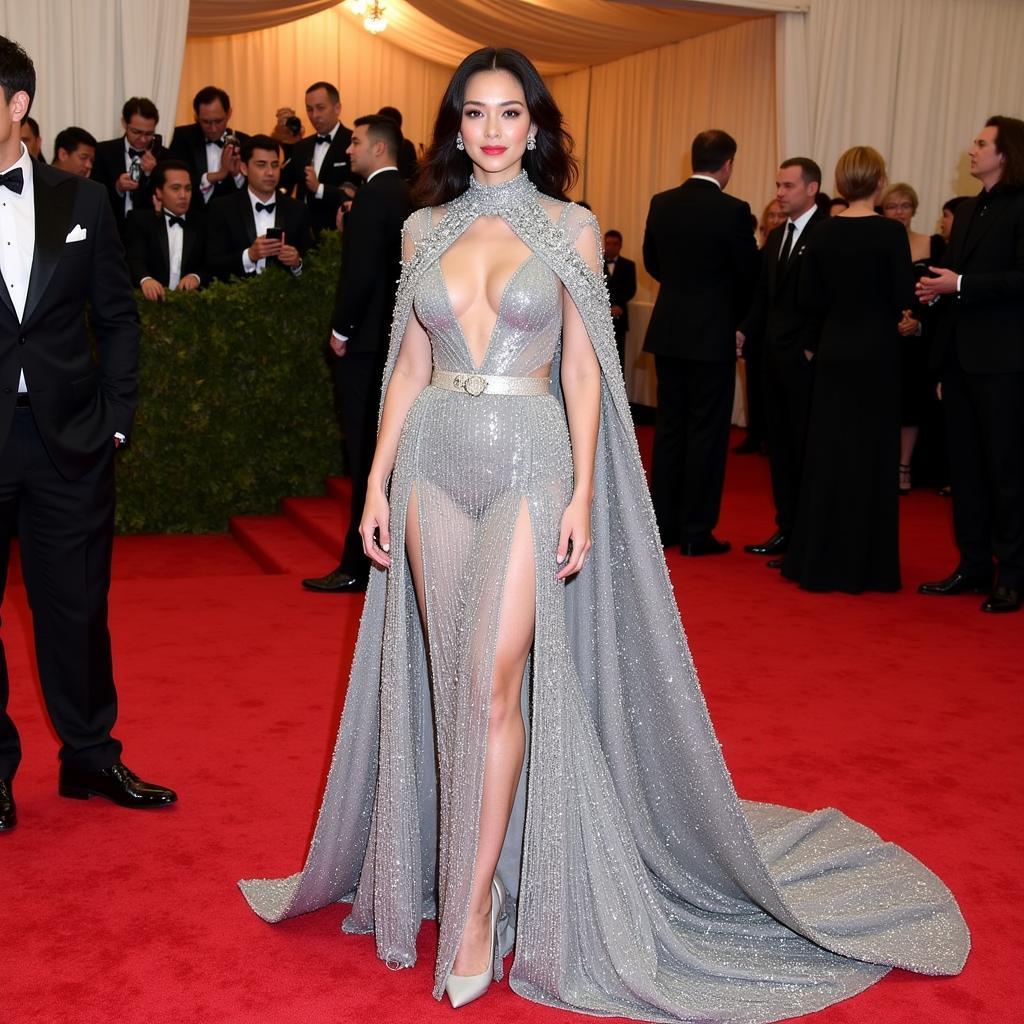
(459, 144)
(531, 142)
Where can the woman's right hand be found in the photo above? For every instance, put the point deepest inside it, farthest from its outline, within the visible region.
(376, 517)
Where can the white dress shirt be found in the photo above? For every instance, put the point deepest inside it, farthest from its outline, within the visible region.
(799, 224)
(264, 219)
(175, 242)
(18, 239)
(319, 153)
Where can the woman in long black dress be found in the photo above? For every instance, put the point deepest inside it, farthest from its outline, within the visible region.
(917, 385)
(856, 279)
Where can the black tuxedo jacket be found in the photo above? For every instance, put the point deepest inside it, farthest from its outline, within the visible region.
(78, 401)
(189, 144)
(109, 166)
(984, 323)
(622, 288)
(371, 263)
(334, 171)
(699, 245)
(775, 316)
(231, 227)
(148, 251)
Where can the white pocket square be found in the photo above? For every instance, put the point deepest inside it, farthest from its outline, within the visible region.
(76, 234)
(340, 163)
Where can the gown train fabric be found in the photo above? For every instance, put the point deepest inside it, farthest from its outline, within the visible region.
(639, 884)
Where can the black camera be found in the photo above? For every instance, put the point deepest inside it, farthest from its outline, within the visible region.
(230, 139)
(294, 125)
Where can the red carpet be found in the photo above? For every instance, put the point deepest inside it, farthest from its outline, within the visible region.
(903, 711)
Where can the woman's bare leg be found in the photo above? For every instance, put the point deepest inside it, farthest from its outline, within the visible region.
(506, 740)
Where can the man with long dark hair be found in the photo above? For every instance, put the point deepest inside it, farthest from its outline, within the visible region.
(62, 414)
(979, 353)
(699, 246)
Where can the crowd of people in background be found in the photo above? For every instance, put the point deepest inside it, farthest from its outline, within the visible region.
(862, 339)
(838, 346)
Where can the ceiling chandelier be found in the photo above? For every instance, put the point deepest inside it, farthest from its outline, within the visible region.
(372, 13)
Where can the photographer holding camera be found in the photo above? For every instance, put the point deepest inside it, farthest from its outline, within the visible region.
(211, 148)
(124, 165)
(257, 227)
(319, 165)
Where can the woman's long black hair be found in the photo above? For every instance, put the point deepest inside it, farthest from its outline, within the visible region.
(444, 172)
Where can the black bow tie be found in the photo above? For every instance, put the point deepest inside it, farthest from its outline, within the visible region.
(175, 221)
(215, 142)
(13, 179)
(324, 138)
(269, 207)
(135, 152)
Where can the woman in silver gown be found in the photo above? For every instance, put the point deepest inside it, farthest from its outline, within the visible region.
(633, 880)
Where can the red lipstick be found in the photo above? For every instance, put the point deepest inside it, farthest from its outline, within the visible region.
(493, 150)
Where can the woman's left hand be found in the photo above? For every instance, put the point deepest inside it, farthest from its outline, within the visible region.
(575, 527)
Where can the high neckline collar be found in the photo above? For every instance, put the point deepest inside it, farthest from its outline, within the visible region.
(515, 190)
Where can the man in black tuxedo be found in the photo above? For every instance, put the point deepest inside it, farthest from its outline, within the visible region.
(260, 227)
(776, 325)
(210, 148)
(978, 349)
(319, 164)
(698, 244)
(364, 302)
(74, 151)
(124, 165)
(62, 414)
(167, 247)
(620, 274)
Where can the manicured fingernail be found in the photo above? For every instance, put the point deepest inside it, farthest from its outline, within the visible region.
(386, 547)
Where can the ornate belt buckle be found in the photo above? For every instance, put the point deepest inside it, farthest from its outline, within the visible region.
(473, 384)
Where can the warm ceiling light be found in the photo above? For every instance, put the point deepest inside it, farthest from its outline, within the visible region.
(375, 22)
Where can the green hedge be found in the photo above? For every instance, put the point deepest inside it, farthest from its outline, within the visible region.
(235, 402)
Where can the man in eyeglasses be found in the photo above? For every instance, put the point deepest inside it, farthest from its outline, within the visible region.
(124, 165)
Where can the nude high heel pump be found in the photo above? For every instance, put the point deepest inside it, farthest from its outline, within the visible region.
(464, 989)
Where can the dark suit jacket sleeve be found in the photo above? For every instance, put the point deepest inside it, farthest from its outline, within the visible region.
(650, 249)
(368, 238)
(114, 318)
(752, 325)
(999, 284)
(811, 296)
(223, 253)
(627, 286)
(136, 241)
(745, 256)
(303, 234)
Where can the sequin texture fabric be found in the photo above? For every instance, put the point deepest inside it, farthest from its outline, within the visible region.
(640, 885)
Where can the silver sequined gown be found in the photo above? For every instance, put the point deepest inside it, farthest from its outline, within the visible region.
(640, 885)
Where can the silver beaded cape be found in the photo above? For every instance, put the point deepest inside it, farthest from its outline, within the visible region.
(639, 884)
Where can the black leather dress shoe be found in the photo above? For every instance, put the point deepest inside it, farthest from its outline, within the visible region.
(776, 544)
(957, 582)
(8, 811)
(774, 563)
(710, 545)
(118, 783)
(336, 582)
(1003, 599)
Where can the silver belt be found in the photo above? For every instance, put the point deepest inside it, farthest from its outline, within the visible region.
(478, 383)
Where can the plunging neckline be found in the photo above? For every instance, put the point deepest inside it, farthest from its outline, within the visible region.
(477, 367)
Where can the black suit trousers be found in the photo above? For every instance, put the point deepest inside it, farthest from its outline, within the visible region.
(691, 441)
(786, 384)
(357, 380)
(985, 431)
(66, 532)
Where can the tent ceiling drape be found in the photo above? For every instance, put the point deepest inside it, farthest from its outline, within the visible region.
(559, 35)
